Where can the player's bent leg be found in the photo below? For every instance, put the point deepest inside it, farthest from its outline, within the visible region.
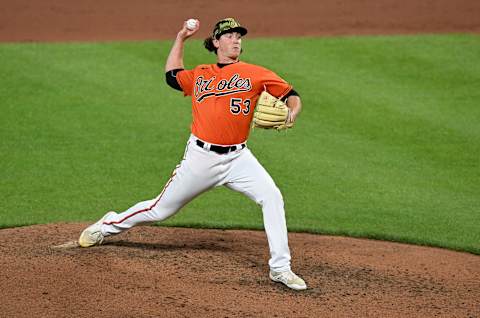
(177, 193)
(141, 213)
(250, 178)
(187, 181)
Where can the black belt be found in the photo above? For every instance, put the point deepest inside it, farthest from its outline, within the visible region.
(220, 149)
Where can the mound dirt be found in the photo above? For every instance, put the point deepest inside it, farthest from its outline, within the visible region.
(177, 272)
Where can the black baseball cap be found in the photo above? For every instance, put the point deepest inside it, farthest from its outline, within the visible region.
(227, 25)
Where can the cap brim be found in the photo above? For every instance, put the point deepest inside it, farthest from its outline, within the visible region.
(239, 29)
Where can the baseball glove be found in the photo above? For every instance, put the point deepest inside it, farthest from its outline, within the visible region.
(271, 113)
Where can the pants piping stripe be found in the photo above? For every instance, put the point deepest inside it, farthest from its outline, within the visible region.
(174, 173)
(144, 210)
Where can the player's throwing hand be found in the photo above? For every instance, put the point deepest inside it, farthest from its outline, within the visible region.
(190, 27)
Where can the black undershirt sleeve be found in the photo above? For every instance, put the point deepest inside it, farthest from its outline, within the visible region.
(291, 93)
(171, 78)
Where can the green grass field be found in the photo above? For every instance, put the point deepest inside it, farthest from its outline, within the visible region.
(387, 147)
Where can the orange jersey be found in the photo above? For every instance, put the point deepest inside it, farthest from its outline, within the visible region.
(224, 98)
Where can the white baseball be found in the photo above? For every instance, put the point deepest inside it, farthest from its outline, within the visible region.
(191, 24)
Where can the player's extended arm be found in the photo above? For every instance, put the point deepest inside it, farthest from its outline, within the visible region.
(294, 103)
(175, 58)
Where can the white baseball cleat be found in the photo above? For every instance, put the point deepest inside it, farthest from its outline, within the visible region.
(289, 279)
(92, 235)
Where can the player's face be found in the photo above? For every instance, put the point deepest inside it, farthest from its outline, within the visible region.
(229, 46)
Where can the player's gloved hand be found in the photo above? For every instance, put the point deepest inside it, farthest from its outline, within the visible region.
(271, 113)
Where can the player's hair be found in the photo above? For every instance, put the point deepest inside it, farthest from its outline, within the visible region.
(208, 43)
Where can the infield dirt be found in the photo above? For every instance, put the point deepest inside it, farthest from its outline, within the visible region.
(174, 272)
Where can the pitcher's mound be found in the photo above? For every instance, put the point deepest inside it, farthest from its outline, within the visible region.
(177, 272)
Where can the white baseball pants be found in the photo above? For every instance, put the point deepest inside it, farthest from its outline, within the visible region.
(201, 170)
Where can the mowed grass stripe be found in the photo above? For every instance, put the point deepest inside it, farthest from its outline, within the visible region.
(387, 146)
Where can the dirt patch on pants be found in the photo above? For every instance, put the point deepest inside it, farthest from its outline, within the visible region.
(176, 272)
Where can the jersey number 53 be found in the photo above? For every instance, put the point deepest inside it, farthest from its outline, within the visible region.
(238, 105)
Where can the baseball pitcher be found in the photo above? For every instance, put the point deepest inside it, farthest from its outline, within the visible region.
(226, 98)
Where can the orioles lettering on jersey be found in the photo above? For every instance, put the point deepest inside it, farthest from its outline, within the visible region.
(205, 88)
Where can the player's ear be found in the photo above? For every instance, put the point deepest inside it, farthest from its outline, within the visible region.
(216, 43)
